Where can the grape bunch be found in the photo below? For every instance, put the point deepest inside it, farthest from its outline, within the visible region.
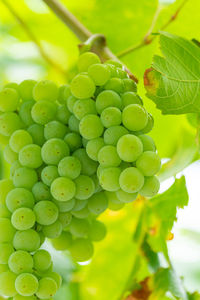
(73, 151)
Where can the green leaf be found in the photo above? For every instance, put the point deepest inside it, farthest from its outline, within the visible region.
(173, 83)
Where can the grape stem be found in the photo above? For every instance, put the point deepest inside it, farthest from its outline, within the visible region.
(31, 35)
(93, 42)
(147, 39)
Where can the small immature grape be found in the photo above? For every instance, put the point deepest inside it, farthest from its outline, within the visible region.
(43, 112)
(63, 189)
(81, 214)
(73, 140)
(79, 204)
(65, 218)
(82, 86)
(4, 212)
(134, 117)
(65, 206)
(91, 127)
(149, 125)
(15, 165)
(81, 249)
(87, 59)
(129, 85)
(6, 185)
(129, 147)
(19, 139)
(25, 112)
(46, 212)
(71, 102)
(131, 180)
(26, 89)
(69, 167)
(45, 90)
(20, 262)
(108, 156)
(9, 100)
(63, 93)
(149, 163)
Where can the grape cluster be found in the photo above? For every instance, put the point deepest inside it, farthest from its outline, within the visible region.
(74, 151)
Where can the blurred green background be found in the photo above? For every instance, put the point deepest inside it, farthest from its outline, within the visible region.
(124, 23)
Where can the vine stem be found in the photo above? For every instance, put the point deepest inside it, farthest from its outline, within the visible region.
(95, 42)
(146, 40)
(31, 35)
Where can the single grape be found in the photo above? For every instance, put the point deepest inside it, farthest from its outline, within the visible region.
(79, 228)
(84, 107)
(63, 242)
(148, 142)
(54, 129)
(63, 114)
(93, 146)
(37, 133)
(53, 231)
(43, 112)
(131, 98)
(42, 260)
(6, 249)
(46, 212)
(54, 150)
(45, 90)
(84, 187)
(9, 155)
(149, 163)
(73, 124)
(19, 197)
(82, 86)
(27, 240)
(41, 191)
(69, 167)
(131, 180)
(7, 231)
(9, 100)
(109, 179)
(49, 174)
(112, 134)
(88, 166)
(126, 197)
(99, 73)
(129, 147)
(87, 59)
(151, 187)
(115, 84)
(7, 284)
(26, 284)
(134, 117)
(91, 127)
(81, 249)
(73, 140)
(111, 116)
(150, 124)
(25, 178)
(23, 218)
(47, 288)
(108, 156)
(26, 89)
(97, 231)
(20, 262)
(19, 139)
(106, 99)
(63, 189)
(9, 122)
(30, 156)
(98, 203)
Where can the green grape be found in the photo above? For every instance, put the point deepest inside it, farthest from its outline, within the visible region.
(112, 134)
(30, 156)
(91, 127)
(25, 178)
(26, 89)
(27, 240)
(63, 189)
(6, 185)
(65, 206)
(12, 85)
(20, 297)
(15, 165)
(63, 242)
(9, 122)
(49, 174)
(131, 98)
(115, 84)
(129, 85)
(69, 167)
(93, 147)
(134, 117)
(82, 213)
(43, 112)
(20, 262)
(126, 197)
(84, 107)
(54, 129)
(151, 187)
(79, 228)
(111, 116)
(41, 191)
(53, 231)
(42, 260)
(79, 204)
(121, 73)
(87, 59)
(19, 139)
(6, 249)
(113, 70)
(26, 284)
(63, 93)
(97, 231)
(23, 218)
(129, 147)
(9, 155)
(108, 156)
(56, 277)
(98, 203)
(19, 197)
(47, 288)
(3, 268)
(106, 99)
(150, 124)
(25, 112)
(73, 124)
(9, 100)
(114, 63)
(82, 86)
(149, 163)
(81, 249)
(99, 73)
(65, 218)
(45, 90)
(37, 133)
(7, 284)
(54, 150)
(7, 231)
(73, 140)
(148, 142)
(63, 114)
(88, 166)
(84, 187)
(71, 102)
(46, 212)
(4, 212)
(131, 180)
(109, 179)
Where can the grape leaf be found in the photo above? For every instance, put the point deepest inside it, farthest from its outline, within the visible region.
(173, 82)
